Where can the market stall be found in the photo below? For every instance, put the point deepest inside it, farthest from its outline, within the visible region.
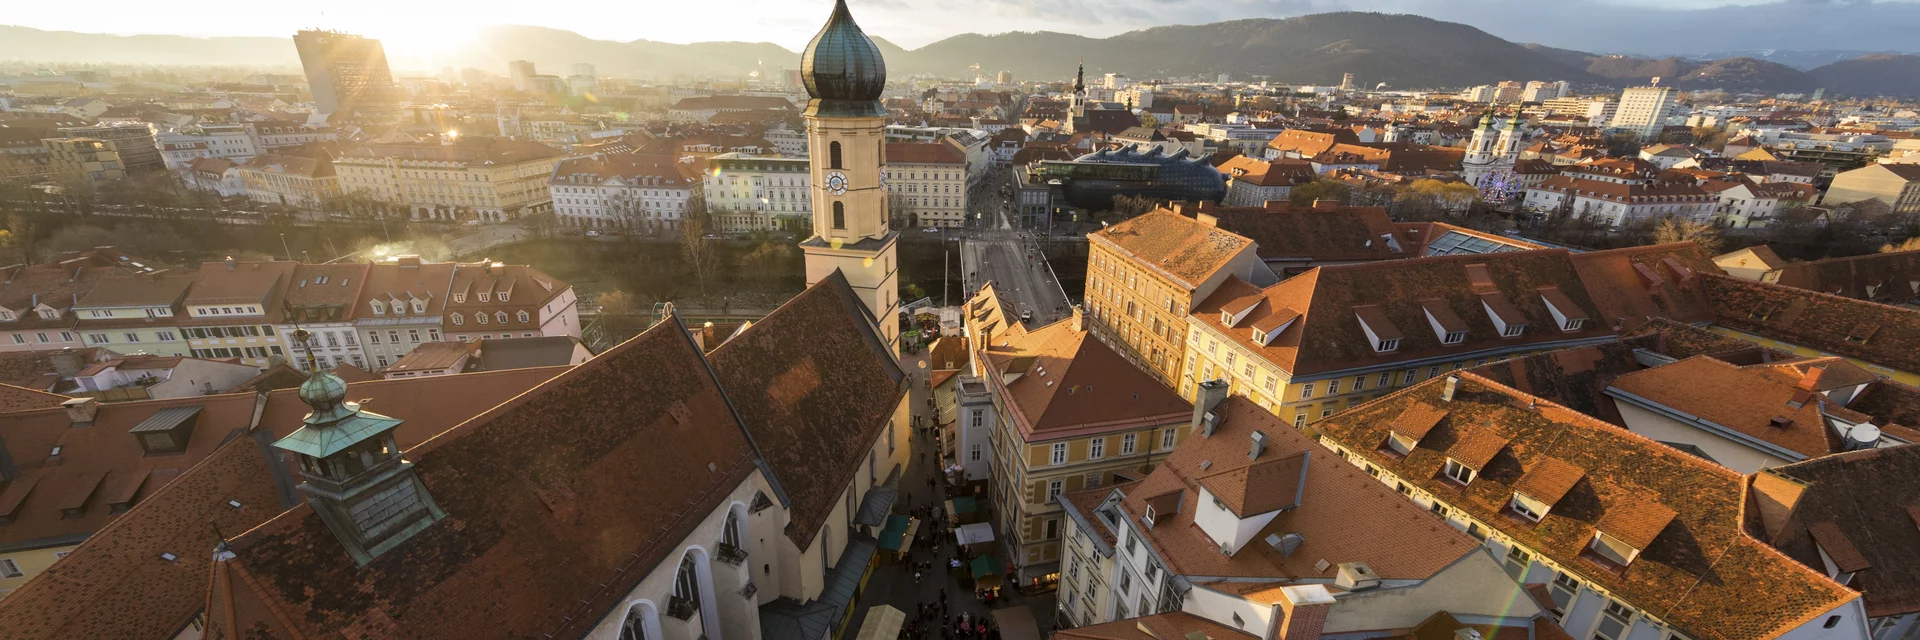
(1016, 623)
(964, 509)
(987, 572)
(883, 623)
(897, 537)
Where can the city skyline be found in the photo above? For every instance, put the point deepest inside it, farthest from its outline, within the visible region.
(418, 33)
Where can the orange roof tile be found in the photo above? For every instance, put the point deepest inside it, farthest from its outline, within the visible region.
(1187, 250)
(1071, 384)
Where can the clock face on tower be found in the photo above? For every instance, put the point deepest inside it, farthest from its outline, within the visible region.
(836, 183)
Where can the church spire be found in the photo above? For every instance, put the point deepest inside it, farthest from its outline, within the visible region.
(1080, 79)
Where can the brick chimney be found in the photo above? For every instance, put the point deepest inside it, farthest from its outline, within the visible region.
(1326, 205)
(1303, 611)
(80, 411)
(1207, 219)
(1079, 319)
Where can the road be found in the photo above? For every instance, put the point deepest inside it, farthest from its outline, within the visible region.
(1012, 261)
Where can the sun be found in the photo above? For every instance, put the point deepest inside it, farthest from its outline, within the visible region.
(428, 41)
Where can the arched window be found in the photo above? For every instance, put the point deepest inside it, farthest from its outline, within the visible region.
(635, 626)
(730, 534)
(833, 156)
(839, 214)
(686, 585)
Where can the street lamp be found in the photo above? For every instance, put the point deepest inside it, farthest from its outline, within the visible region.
(283, 247)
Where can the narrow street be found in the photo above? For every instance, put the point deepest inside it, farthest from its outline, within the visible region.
(892, 582)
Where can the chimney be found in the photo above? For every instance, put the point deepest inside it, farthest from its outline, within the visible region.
(230, 263)
(1326, 205)
(1775, 496)
(1303, 611)
(1259, 446)
(80, 411)
(1209, 396)
(1207, 219)
(1453, 385)
(1079, 319)
(496, 268)
(67, 362)
(1811, 380)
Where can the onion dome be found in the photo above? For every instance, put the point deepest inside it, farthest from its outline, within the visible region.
(327, 394)
(843, 70)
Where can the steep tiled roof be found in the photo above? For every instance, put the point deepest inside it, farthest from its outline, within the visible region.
(1276, 173)
(816, 387)
(1187, 249)
(14, 398)
(1310, 143)
(149, 597)
(1700, 572)
(570, 473)
(1746, 401)
(1329, 337)
(1878, 333)
(1889, 402)
(1634, 285)
(1071, 384)
(1863, 500)
(1880, 277)
(1288, 232)
(924, 153)
(1337, 500)
(136, 290)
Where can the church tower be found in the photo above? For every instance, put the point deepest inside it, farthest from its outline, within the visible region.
(1481, 157)
(846, 122)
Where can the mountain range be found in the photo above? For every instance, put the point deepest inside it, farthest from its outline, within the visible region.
(1399, 51)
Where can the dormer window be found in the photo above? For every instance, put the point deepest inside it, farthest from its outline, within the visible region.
(1259, 337)
(457, 318)
(480, 317)
(1226, 318)
(1454, 337)
(1384, 346)
(50, 314)
(484, 295)
(419, 306)
(1573, 324)
(1619, 552)
(503, 296)
(1512, 330)
(379, 308)
(6, 315)
(1527, 507)
(459, 297)
(1380, 332)
(1460, 473)
(1400, 444)
(524, 317)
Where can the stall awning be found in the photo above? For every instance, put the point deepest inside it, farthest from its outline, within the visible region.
(785, 619)
(963, 504)
(973, 533)
(883, 623)
(1016, 623)
(984, 566)
(879, 500)
(894, 537)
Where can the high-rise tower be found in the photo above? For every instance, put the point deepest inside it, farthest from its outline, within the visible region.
(845, 76)
(347, 73)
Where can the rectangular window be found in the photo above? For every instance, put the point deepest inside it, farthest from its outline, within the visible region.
(1333, 387)
(1097, 449)
(1459, 472)
(1306, 391)
(1299, 419)
(10, 569)
(1126, 444)
(373, 337)
(413, 335)
(1517, 562)
(1059, 456)
(973, 455)
(1408, 377)
(1166, 438)
(1359, 383)
(1386, 379)
(1053, 527)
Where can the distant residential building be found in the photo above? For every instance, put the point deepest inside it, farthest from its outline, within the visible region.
(704, 108)
(141, 377)
(37, 301)
(297, 182)
(474, 178)
(135, 314)
(139, 154)
(623, 191)
(1897, 185)
(347, 73)
(1538, 91)
(494, 300)
(216, 175)
(320, 301)
(1252, 182)
(401, 306)
(1618, 191)
(234, 311)
(927, 183)
(746, 193)
(791, 142)
(85, 159)
(497, 354)
(521, 72)
(1643, 111)
(1744, 203)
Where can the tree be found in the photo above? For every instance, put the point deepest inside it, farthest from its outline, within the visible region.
(1125, 206)
(698, 251)
(1321, 189)
(616, 304)
(22, 238)
(1683, 230)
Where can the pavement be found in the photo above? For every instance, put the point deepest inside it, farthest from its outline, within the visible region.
(893, 583)
(1012, 261)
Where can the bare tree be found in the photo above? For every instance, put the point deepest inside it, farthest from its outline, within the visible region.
(697, 250)
(1670, 230)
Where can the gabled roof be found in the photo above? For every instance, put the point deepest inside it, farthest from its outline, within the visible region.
(1188, 250)
(1739, 401)
(1761, 256)
(1865, 500)
(1881, 334)
(1891, 278)
(1336, 500)
(1287, 232)
(1071, 384)
(148, 597)
(570, 473)
(816, 386)
(1700, 572)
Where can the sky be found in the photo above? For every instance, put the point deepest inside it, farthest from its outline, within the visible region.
(417, 27)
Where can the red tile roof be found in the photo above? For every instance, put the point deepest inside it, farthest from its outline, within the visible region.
(1700, 572)
(1864, 500)
(1877, 333)
(817, 387)
(1070, 384)
(1186, 249)
(1287, 232)
(563, 473)
(1747, 401)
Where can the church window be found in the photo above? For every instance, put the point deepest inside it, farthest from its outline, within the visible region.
(839, 212)
(833, 154)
